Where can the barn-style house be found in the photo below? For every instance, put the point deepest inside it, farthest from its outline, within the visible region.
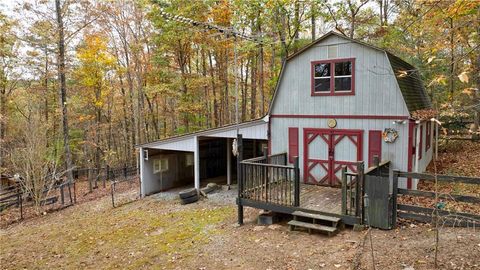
(338, 102)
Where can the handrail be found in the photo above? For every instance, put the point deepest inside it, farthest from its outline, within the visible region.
(254, 159)
(269, 165)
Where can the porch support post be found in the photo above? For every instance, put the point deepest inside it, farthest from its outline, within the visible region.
(141, 160)
(344, 190)
(417, 152)
(229, 162)
(196, 163)
(240, 178)
(393, 174)
(296, 202)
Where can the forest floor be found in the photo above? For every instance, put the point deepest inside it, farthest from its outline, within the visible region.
(158, 232)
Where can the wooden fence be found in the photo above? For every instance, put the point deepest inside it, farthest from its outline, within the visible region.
(427, 214)
(16, 196)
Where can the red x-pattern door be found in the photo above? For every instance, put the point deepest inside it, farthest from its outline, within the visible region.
(326, 151)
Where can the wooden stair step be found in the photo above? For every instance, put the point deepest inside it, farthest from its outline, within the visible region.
(316, 216)
(317, 227)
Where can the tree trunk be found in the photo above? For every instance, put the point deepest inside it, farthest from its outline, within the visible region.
(314, 26)
(260, 68)
(214, 91)
(253, 96)
(452, 60)
(63, 89)
(3, 116)
(476, 94)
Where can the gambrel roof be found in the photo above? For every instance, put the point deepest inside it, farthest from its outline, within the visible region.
(410, 83)
(406, 75)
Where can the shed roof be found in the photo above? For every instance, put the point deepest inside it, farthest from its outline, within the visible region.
(254, 129)
(407, 76)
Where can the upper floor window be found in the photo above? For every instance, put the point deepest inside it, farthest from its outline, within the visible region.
(333, 77)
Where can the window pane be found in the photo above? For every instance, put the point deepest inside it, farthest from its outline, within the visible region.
(322, 70)
(343, 68)
(322, 85)
(343, 84)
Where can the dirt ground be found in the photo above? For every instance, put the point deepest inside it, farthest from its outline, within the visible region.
(159, 233)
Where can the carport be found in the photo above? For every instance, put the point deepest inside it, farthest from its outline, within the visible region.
(193, 158)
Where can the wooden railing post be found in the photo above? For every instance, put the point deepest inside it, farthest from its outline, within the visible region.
(266, 179)
(296, 201)
(240, 178)
(359, 190)
(394, 175)
(344, 190)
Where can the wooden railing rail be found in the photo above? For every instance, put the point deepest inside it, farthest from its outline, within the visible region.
(425, 214)
(266, 179)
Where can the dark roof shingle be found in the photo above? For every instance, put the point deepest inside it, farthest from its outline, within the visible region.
(410, 84)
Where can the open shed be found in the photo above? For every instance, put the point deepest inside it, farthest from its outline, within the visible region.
(191, 159)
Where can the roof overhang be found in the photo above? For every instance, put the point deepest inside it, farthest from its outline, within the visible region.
(255, 129)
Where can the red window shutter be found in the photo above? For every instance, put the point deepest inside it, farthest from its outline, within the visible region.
(420, 145)
(292, 143)
(374, 145)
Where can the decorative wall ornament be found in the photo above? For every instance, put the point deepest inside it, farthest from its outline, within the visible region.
(332, 123)
(389, 135)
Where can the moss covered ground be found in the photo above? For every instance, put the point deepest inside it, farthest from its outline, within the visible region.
(141, 234)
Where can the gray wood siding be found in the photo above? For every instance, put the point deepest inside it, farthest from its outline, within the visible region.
(376, 89)
(395, 152)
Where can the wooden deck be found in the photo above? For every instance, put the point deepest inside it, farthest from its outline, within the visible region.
(321, 198)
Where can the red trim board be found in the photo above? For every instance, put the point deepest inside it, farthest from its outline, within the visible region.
(320, 116)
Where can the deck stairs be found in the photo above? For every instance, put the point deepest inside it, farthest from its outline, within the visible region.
(317, 222)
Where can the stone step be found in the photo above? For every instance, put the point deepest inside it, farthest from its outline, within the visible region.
(335, 220)
(310, 226)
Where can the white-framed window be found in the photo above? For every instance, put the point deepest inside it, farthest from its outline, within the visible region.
(160, 165)
(189, 160)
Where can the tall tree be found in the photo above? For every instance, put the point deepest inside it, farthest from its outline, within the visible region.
(62, 87)
(8, 78)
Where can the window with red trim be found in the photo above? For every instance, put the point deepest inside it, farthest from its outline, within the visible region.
(292, 143)
(428, 139)
(333, 77)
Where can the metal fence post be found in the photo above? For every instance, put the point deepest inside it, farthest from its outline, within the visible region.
(240, 178)
(296, 202)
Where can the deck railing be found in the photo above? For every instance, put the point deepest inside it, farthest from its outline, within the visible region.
(268, 179)
(270, 183)
(352, 191)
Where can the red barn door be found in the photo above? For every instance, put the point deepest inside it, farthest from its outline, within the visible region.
(326, 151)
